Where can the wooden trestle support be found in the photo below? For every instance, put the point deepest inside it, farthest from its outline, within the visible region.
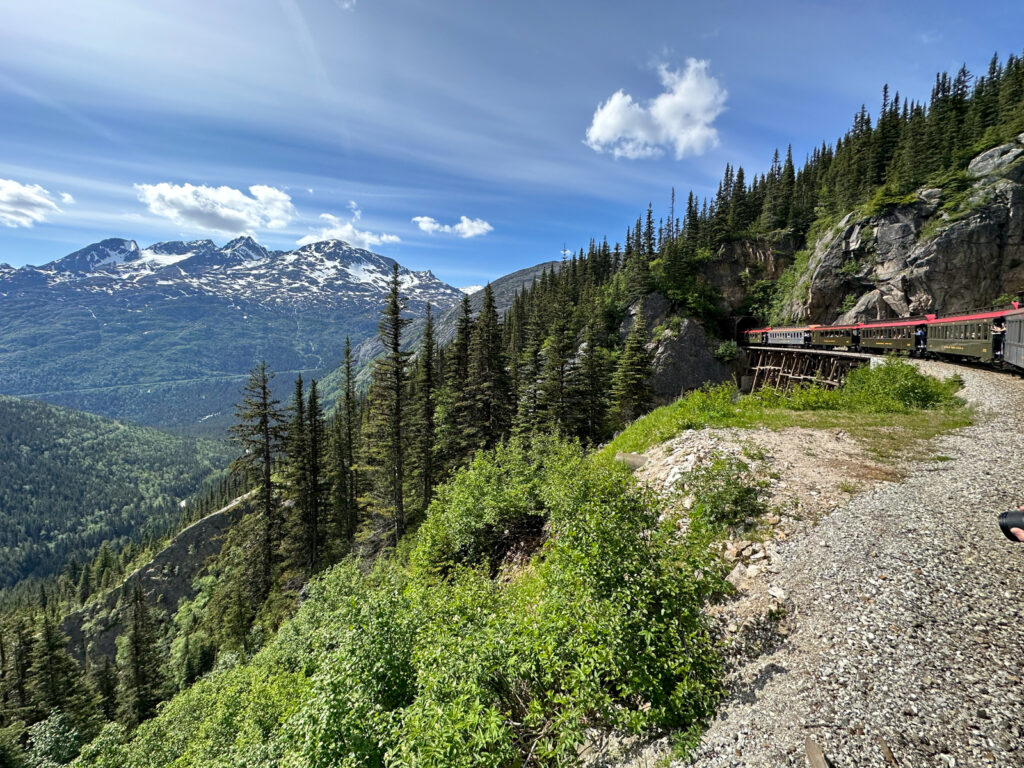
(782, 369)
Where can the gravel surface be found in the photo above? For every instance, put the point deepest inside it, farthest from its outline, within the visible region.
(901, 644)
(904, 616)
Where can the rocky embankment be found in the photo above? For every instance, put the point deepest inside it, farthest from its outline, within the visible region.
(165, 580)
(951, 249)
(888, 630)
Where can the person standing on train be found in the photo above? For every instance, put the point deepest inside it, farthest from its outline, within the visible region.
(920, 339)
(998, 334)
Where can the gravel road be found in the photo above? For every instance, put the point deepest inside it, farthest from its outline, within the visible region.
(905, 611)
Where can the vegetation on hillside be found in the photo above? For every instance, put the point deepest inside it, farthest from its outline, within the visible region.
(440, 575)
(430, 660)
(72, 481)
(887, 397)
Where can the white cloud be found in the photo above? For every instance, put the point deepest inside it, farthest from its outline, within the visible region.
(682, 117)
(465, 228)
(222, 209)
(338, 229)
(346, 5)
(66, 198)
(930, 36)
(22, 205)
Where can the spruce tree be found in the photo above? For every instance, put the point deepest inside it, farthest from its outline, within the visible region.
(296, 471)
(555, 402)
(488, 383)
(19, 675)
(55, 681)
(592, 387)
(387, 429)
(141, 683)
(454, 403)
(344, 490)
(315, 478)
(103, 679)
(425, 385)
(258, 434)
(630, 392)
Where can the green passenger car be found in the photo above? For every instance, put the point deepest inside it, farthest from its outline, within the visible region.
(971, 339)
(832, 337)
(896, 338)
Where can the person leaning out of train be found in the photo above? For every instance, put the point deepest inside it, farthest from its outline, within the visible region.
(998, 334)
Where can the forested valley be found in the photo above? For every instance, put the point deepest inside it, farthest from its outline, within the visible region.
(441, 570)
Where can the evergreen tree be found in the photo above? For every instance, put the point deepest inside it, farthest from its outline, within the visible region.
(344, 485)
(592, 384)
(556, 406)
(55, 680)
(630, 392)
(259, 434)
(387, 430)
(296, 471)
(316, 481)
(19, 674)
(103, 679)
(425, 385)
(140, 687)
(488, 382)
(455, 406)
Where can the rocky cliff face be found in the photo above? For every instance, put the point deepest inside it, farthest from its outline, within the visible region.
(166, 580)
(682, 353)
(740, 264)
(951, 249)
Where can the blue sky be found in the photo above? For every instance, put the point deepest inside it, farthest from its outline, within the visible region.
(471, 138)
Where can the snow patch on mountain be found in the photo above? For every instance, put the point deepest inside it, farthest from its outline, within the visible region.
(328, 273)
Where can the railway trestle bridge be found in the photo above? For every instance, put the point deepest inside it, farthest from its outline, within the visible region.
(782, 368)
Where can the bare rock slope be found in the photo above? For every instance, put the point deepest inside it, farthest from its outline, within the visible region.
(955, 248)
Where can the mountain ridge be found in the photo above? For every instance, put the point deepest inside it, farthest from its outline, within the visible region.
(165, 335)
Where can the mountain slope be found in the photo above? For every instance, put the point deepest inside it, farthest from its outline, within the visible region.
(72, 480)
(166, 335)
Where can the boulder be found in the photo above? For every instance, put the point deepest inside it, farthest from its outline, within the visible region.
(993, 161)
(682, 360)
(632, 460)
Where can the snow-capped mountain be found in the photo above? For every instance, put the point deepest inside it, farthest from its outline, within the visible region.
(328, 273)
(165, 334)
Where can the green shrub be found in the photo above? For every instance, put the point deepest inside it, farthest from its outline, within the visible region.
(727, 351)
(725, 492)
(435, 663)
(896, 386)
(499, 499)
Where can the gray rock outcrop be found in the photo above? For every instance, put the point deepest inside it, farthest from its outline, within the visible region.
(682, 353)
(683, 360)
(166, 580)
(741, 263)
(947, 251)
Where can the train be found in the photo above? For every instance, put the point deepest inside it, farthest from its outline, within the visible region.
(993, 336)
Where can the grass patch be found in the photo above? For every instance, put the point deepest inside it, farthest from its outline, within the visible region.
(885, 407)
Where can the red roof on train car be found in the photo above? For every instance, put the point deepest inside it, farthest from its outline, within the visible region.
(978, 316)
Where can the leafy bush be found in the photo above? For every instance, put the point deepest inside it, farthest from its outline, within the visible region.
(724, 492)
(435, 663)
(501, 497)
(896, 386)
(727, 351)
